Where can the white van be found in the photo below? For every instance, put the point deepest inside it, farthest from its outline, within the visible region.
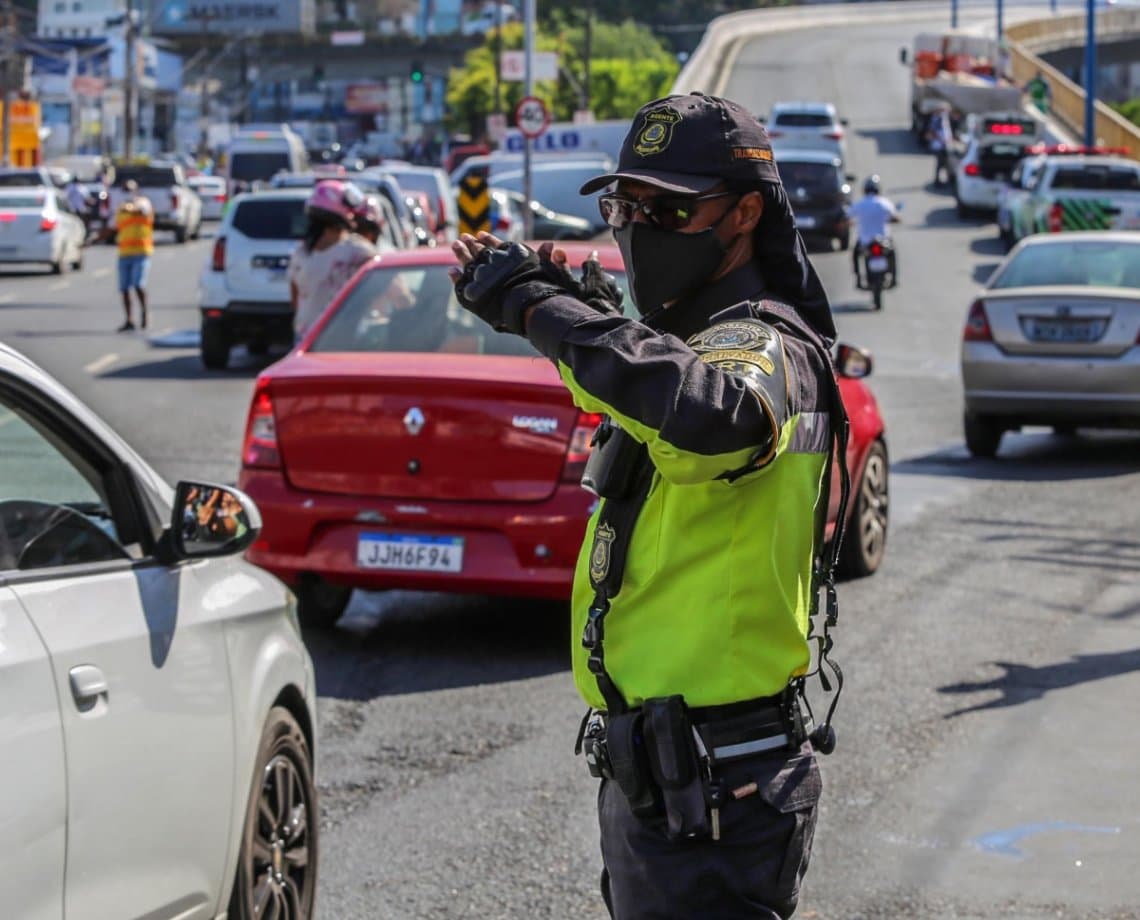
(258, 153)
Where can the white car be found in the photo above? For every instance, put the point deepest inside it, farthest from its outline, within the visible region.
(211, 190)
(997, 143)
(38, 225)
(807, 126)
(244, 289)
(156, 749)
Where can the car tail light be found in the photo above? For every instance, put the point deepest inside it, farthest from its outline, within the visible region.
(876, 248)
(220, 198)
(174, 201)
(833, 135)
(972, 169)
(260, 446)
(772, 134)
(47, 224)
(7, 217)
(977, 324)
(1056, 214)
(441, 216)
(579, 450)
(218, 260)
(503, 223)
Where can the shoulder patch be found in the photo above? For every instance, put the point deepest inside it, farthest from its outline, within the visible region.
(752, 351)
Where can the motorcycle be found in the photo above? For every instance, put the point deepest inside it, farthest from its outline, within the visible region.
(878, 269)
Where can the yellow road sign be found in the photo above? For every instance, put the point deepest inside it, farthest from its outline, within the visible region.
(474, 202)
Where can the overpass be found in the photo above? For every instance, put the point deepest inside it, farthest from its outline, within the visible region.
(1032, 39)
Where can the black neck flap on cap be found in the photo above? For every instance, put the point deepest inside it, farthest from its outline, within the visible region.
(784, 263)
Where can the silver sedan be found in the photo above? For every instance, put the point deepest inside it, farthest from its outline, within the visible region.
(1054, 339)
(156, 744)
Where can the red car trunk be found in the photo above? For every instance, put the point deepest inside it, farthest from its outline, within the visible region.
(423, 426)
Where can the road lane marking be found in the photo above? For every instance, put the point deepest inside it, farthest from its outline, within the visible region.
(60, 285)
(102, 272)
(100, 364)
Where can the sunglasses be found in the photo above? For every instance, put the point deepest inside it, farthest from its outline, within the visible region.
(666, 212)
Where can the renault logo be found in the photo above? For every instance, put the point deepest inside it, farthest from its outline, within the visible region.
(414, 421)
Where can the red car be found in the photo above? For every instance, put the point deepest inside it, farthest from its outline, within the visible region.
(404, 444)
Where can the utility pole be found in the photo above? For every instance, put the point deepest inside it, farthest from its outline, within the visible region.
(1000, 20)
(7, 60)
(204, 95)
(587, 52)
(498, 57)
(528, 184)
(129, 76)
(953, 14)
(1090, 74)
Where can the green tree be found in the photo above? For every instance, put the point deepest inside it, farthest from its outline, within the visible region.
(1129, 109)
(628, 67)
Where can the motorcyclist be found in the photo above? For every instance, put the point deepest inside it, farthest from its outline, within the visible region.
(329, 254)
(873, 213)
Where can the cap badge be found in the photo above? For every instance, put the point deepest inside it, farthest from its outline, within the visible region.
(656, 131)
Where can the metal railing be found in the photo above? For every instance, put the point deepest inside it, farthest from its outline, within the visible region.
(1026, 39)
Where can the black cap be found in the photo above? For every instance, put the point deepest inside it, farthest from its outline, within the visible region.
(688, 144)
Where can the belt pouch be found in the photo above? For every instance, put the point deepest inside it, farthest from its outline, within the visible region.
(673, 759)
(612, 464)
(630, 763)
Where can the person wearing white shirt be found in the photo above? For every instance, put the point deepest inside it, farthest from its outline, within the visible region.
(940, 137)
(78, 199)
(873, 214)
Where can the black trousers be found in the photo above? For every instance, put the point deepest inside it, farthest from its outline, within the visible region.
(753, 871)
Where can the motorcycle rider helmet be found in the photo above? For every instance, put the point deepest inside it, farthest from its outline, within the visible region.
(368, 214)
(334, 200)
(872, 186)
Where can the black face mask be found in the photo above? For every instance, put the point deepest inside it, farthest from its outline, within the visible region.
(667, 265)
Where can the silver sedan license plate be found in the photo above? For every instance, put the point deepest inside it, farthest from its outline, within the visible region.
(1064, 330)
(409, 553)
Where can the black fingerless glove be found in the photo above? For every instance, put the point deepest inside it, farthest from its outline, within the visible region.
(599, 289)
(500, 284)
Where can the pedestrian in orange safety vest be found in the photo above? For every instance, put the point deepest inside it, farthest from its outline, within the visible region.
(133, 224)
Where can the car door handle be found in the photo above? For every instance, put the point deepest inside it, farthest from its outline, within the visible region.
(87, 683)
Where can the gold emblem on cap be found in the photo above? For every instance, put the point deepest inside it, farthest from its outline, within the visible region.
(656, 131)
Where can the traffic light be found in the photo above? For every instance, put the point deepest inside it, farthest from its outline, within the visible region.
(417, 72)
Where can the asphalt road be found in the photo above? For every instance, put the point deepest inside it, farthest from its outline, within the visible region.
(986, 761)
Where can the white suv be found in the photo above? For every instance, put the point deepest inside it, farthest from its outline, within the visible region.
(244, 288)
(156, 747)
(807, 126)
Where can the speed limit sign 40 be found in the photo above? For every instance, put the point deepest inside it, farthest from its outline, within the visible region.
(532, 116)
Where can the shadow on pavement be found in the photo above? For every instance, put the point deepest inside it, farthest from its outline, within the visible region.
(988, 246)
(889, 141)
(189, 367)
(983, 271)
(1035, 457)
(1021, 683)
(853, 306)
(410, 642)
